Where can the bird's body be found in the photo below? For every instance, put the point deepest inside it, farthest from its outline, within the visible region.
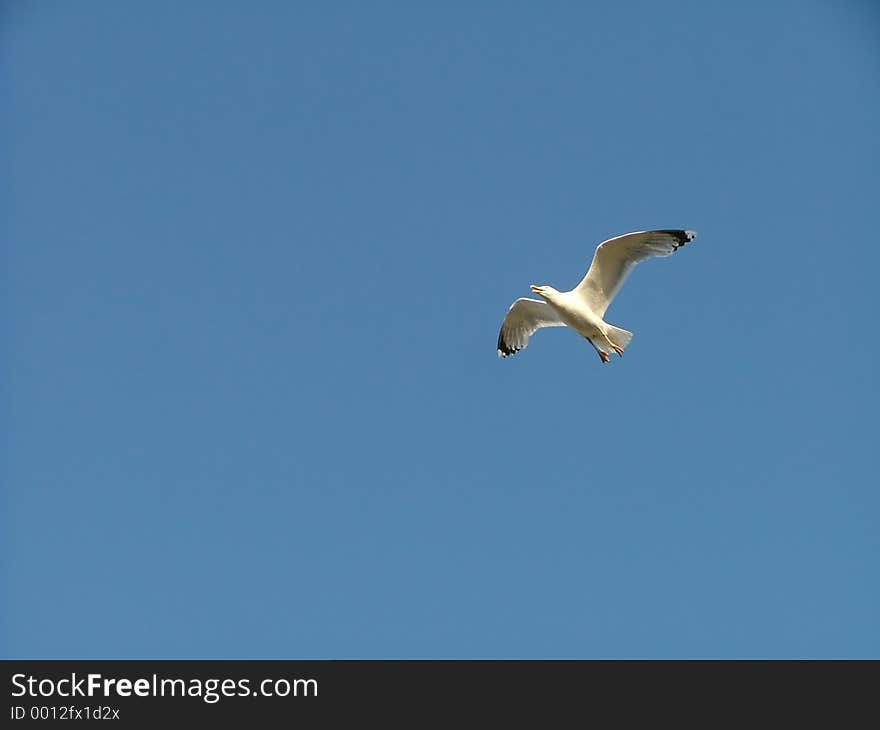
(571, 310)
(583, 308)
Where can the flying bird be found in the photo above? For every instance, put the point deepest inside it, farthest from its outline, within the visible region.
(583, 308)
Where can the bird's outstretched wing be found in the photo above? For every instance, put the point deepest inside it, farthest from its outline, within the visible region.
(524, 317)
(616, 257)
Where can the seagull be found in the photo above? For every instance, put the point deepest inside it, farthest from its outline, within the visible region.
(583, 307)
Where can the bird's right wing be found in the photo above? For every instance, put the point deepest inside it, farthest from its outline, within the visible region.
(523, 319)
(616, 257)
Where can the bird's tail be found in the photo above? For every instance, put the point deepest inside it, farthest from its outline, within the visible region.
(618, 336)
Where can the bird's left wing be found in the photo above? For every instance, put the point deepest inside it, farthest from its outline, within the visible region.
(524, 317)
(616, 257)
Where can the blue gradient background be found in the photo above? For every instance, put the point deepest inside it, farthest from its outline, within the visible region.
(255, 257)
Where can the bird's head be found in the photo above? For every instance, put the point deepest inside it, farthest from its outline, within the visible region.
(543, 291)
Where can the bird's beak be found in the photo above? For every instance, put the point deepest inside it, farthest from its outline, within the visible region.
(535, 289)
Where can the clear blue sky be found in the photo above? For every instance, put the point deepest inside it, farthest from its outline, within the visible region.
(255, 258)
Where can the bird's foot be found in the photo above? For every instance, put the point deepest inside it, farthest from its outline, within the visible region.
(618, 350)
(603, 356)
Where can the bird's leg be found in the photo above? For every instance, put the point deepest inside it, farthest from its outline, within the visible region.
(602, 356)
(618, 350)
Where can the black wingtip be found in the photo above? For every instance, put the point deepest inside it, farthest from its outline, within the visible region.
(504, 349)
(682, 238)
